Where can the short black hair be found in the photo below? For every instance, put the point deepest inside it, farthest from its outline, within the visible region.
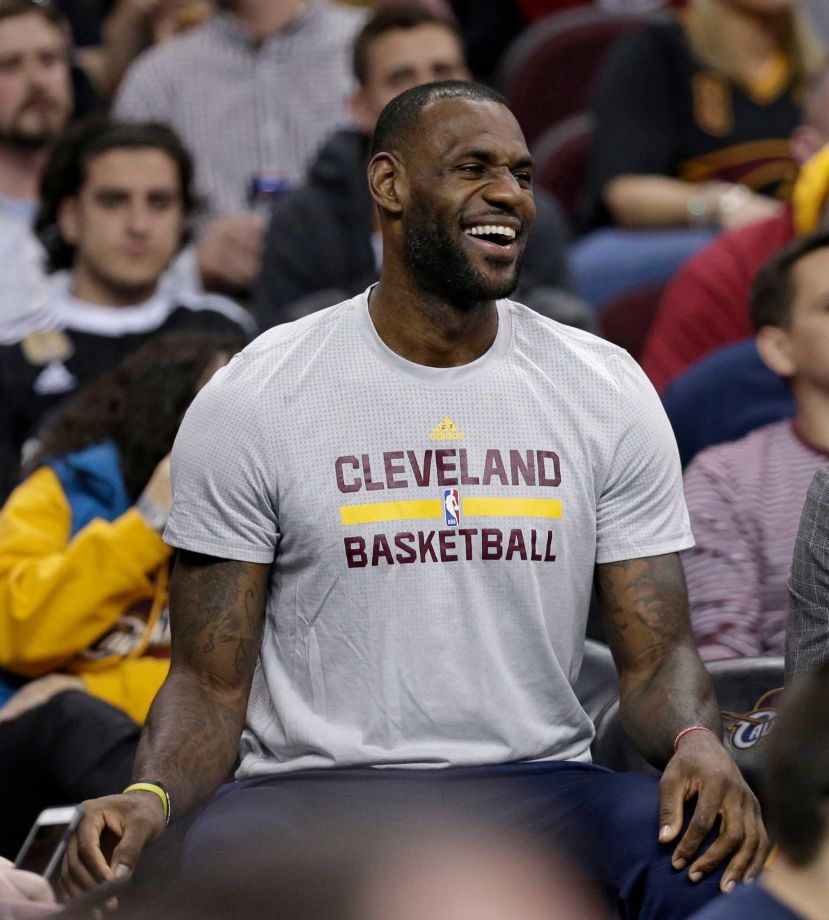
(47, 11)
(773, 291)
(68, 167)
(796, 769)
(389, 20)
(402, 114)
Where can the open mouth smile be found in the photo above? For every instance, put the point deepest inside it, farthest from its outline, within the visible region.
(494, 239)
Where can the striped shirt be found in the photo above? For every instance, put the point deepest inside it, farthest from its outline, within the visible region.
(745, 499)
(245, 109)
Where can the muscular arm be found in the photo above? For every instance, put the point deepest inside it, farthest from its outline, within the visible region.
(663, 686)
(663, 689)
(191, 735)
(216, 615)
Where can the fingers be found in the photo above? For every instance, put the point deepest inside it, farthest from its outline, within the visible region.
(705, 814)
(737, 837)
(75, 879)
(137, 835)
(672, 792)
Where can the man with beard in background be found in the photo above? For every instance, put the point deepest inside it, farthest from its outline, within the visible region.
(388, 517)
(35, 105)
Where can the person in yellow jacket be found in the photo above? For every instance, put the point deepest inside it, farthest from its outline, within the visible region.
(83, 568)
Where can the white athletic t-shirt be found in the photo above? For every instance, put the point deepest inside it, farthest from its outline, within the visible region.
(433, 533)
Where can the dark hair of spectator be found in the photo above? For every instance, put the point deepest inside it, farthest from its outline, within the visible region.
(389, 20)
(402, 114)
(11, 8)
(68, 167)
(773, 291)
(796, 776)
(138, 405)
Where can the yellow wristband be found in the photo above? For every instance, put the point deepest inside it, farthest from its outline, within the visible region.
(160, 791)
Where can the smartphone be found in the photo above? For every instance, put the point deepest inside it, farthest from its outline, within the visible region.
(43, 849)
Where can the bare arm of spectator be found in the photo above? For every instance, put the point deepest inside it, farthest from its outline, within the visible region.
(641, 201)
(721, 569)
(807, 633)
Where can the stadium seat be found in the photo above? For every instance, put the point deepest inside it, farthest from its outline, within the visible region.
(749, 691)
(627, 318)
(562, 155)
(547, 73)
(598, 681)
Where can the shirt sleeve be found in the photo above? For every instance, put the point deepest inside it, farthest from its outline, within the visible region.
(223, 473)
(145, 93)
(807, 632)
(633, 116)
(641, 509)
(721, 570)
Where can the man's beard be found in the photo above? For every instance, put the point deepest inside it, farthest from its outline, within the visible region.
(441, 267)
(13, 134)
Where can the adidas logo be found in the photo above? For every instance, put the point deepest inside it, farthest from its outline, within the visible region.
(54, 378)
(446, 430)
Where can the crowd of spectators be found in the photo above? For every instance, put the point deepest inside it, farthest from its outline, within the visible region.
(179, 175)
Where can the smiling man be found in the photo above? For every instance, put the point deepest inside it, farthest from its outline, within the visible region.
(322, 632)
(115, 199)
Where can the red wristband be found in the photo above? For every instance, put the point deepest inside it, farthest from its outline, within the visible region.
(693, 728)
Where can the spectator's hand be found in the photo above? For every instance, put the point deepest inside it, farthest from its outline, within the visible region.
(24, 895)
(136, 818)
(37, 692)
(750, 209)
(159, 491)
(229, 255)
(702, 768)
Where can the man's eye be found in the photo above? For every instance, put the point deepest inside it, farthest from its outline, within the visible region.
(472, 168)
(524, 177)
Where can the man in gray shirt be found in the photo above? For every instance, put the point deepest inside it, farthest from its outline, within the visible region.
(389, 515)
(253, 92)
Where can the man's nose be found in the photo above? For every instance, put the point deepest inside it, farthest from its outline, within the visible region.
(503, 189)
(139, 218)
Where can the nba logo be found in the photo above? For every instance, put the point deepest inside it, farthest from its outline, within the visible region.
(451, 507)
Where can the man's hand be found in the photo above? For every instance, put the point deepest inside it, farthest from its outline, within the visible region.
(37, 692)
(702, 768)
(137, 818)
(24, 895)
(229, 255)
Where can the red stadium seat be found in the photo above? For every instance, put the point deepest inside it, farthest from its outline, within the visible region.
(627, 319)
(548, 71)
(562, 155)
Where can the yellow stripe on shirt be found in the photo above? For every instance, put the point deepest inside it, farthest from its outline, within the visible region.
(431, 509)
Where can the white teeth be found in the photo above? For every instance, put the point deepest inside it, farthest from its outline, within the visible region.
(490, 229)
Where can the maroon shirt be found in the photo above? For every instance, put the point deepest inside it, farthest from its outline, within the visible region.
(706, 304)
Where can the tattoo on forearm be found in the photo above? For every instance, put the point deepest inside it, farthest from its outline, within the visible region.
(192, 733)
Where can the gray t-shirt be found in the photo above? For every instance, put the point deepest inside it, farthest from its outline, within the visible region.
(433, 533)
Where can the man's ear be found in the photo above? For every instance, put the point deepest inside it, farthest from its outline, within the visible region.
(774, 345)
(68, 220)
(387, 182)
